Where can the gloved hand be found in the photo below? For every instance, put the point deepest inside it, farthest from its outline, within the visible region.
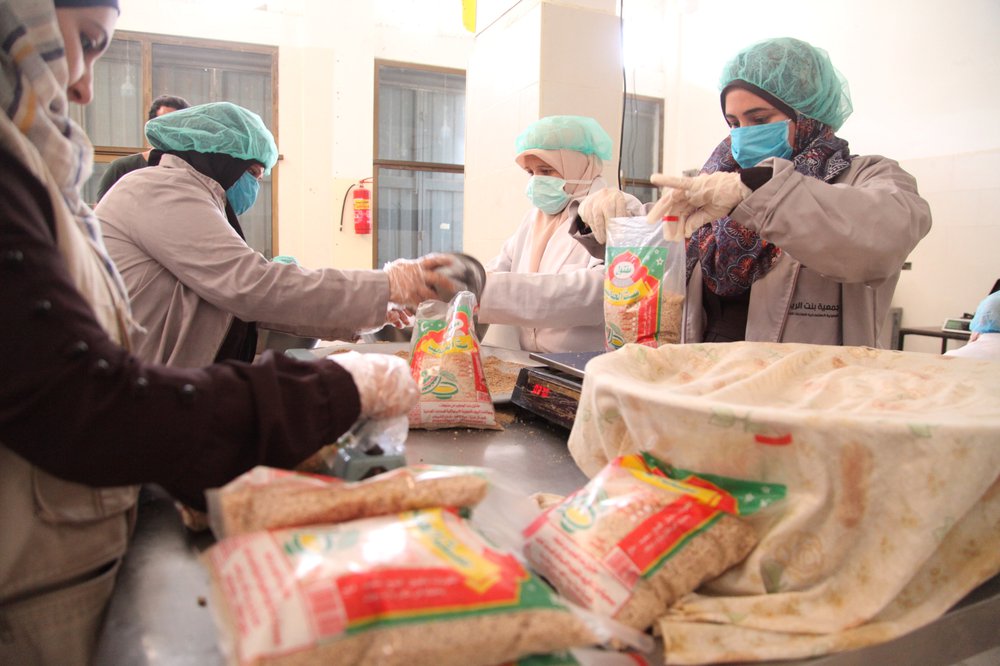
(412, 281)
(398, 317)
(385, 385)
(712, 196)
(597, 208)
(672, 203)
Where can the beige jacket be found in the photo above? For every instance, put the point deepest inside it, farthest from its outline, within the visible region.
(842, 251)
(62, 542)
(189, 273)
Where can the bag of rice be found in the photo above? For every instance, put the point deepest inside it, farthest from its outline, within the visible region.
(641, 534)
(644, 282)
(421, 587)
(448, 368)
(266, 498)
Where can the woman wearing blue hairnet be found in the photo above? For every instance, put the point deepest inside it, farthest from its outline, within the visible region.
(984, 332)
(82, 420)
(543, 281)
(791, 237)
(196, 286)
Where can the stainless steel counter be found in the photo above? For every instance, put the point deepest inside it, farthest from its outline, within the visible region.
(160, 614)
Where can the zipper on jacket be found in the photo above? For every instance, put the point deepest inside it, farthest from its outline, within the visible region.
(788, 302)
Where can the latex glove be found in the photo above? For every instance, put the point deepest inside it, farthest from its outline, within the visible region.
(398, 317)
(672, 203)
(597, 208)
(412, 281)
(712, 195)
(385, 385)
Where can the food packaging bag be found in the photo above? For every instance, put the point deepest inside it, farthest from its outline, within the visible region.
(420, 587)
(266, 498)
(641, 534)
(447, 365)
(890, 461)
(643, 282)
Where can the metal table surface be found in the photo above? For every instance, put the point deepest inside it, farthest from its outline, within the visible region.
(931, 332)
(159, 614)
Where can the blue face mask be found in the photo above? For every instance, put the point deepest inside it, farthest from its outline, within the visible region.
(547, 193)
(754, 143)
(243, 193)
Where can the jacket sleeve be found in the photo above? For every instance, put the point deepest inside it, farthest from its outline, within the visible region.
(857, 231)
(560, 300)
(186, 232)
(82, 408)
(571, 298)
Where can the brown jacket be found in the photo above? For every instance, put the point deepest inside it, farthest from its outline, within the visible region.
(62, 541)
(81, 420)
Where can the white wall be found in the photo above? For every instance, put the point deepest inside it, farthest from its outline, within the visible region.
(922, 75)
(539, 58)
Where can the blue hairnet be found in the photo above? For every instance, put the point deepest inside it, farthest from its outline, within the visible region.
(987, 317)
(580, 133)
(219, 127)
(798, 74)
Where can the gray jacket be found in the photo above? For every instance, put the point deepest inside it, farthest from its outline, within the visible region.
(189, 273)
(843, 246)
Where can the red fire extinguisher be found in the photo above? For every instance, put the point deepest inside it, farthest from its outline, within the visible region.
(362, 209)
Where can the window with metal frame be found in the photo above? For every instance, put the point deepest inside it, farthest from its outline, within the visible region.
(138, 67)
(419, 160)
(642, 146)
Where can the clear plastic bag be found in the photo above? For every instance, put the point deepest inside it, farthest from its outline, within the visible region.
(644, 282)
(640, 535)
(421, 587)
(448, 367)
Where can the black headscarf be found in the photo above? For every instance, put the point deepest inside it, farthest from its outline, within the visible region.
(240, 342)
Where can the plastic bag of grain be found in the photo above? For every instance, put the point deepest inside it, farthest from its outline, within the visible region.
(889, 458)
(266, 498)
(448, 367)
(644, 282)
(642, 534)
(421, 587)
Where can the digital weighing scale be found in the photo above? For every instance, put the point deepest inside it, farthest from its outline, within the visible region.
(552, 390)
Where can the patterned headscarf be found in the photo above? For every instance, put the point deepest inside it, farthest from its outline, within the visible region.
(34, 76)
(732, 256)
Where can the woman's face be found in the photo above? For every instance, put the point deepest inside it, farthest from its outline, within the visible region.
(534, 166)
(743, 109)
(86, 33)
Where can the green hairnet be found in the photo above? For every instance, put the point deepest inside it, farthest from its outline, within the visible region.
(579, 133)
(219, 127)
(798, 74)
(987, 317)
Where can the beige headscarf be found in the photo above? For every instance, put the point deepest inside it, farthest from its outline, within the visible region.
(570, 165)
(37, 129)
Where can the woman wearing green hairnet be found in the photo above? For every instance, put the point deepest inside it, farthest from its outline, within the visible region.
(791, 237)
(544, 282)
(197, 288)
